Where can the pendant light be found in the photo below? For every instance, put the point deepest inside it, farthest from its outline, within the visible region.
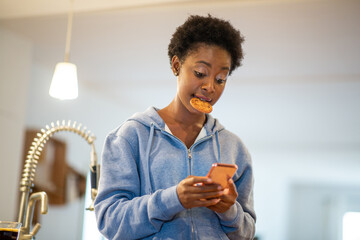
(64, 84)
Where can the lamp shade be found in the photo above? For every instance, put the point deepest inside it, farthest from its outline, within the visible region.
(64, 84)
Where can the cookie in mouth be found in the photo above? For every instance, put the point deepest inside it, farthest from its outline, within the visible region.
(200, 105)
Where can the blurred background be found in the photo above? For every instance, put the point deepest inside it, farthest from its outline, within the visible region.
(295, 101)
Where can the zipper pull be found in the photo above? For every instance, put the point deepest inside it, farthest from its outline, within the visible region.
(189, 160)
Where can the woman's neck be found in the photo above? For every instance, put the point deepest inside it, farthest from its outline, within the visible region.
(177, 113)
(182, 123)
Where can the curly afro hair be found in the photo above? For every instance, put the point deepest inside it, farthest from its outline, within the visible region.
(208, 30)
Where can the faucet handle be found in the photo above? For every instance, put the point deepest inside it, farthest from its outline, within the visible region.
(25, 231)
(35, 229)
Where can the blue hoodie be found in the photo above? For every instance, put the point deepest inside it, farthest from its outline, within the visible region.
(141, 166)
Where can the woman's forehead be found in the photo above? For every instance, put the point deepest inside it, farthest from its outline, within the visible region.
(209, 53)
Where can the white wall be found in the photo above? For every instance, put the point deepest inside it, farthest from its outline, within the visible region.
(15, 68)
(297, 133)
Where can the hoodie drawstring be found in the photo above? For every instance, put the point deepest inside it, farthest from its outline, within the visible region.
(148, 148)
(218, 145)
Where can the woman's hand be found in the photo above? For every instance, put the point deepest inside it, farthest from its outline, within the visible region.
(198, 192)
(227, 199)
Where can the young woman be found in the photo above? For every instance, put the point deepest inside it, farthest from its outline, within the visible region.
(152, 183)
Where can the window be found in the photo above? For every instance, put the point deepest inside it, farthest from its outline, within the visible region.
(351, 223)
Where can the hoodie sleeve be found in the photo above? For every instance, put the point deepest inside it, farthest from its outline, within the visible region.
(239, 221)
(121, 212)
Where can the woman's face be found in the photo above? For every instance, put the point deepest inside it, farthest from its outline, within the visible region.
(202, 74)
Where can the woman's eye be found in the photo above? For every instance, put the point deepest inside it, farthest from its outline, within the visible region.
(220, 81)
(199, 74)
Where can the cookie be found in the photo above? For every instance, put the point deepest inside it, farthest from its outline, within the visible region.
(200, 105)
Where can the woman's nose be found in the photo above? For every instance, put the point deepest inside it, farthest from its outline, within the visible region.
(208, 85)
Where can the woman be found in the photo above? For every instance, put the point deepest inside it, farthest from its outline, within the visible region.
(152, 183)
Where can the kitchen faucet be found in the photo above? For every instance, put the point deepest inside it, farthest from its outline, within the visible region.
(28, 199)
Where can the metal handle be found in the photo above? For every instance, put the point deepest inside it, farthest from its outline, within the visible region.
(39, 196)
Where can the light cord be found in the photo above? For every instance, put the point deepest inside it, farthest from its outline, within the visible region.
(68, 32)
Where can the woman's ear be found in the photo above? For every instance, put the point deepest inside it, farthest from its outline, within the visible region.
(175, 65)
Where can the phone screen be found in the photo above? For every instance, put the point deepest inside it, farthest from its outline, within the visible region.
(221, 172)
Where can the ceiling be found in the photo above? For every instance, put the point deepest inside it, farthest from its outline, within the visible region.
(30, 8)
(125, 41)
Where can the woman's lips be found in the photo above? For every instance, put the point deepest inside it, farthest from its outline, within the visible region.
(203, 98)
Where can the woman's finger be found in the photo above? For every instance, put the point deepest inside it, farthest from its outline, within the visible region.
(194, 180)
(232, 187)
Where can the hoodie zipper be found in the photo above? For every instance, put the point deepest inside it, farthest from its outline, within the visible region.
(189, 159)
(190, 211)
(190, 172)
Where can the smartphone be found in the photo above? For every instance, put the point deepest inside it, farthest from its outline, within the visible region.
(221, 172)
